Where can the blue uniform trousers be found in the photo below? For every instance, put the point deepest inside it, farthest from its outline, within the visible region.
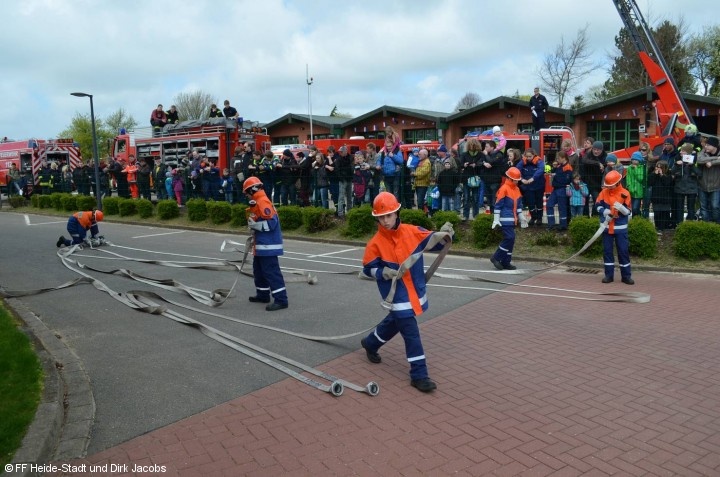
(620, 240)
(77, 232)
(268, 279)
(503, 254)
(558, 197)
(408, 329)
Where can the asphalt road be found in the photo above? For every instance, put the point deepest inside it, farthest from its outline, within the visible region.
(147, 371)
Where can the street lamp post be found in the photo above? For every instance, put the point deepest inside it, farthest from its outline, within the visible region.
(309, 81)
(95, 148)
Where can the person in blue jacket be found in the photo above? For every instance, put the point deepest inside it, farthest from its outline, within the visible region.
(507, 212)
(561, 177)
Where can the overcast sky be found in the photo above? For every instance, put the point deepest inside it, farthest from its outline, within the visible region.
(421, 54)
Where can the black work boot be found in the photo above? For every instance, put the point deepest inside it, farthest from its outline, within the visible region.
(372, 356)
(60, 241)
(257, 299)
(276, 306)
(425, 384)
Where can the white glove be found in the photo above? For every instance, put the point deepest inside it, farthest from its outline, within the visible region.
(523, 220)
(496, 220)
(621, 208)
(448, 228)
(261, 226)
(607, 213)
(224, 184)
(388, 273)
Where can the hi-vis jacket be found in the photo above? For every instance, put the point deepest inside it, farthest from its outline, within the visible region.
(85, 219)
(390, 248)
(268, 242)
(606, 200)
(508, 201)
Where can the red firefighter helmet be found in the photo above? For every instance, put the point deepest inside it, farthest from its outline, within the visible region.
(385, 203)
(252, 183)
(513, 173)
(98, 215)
(612, 178)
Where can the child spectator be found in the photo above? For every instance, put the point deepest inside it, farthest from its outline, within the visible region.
(447, 183)
(361, 178)
(578, 192)
(613, 204)
(507, 211)
(432, 198)
(178, 186)
(168, 184)
(636, 181)
(612, 164)
(227, 185)
(561, 178)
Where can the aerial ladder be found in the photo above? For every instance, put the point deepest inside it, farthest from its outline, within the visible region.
(672, 114)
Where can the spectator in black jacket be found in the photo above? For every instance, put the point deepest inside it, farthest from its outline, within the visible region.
(492, 169)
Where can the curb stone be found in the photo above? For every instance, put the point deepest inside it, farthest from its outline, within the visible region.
(62, 425)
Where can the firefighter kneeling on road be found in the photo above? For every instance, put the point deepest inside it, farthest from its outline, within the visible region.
(614, 208)
(77, 226)
(393, 244)
(268, 245)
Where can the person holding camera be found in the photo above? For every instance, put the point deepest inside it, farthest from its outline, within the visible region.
(686, 174)
(661, 182)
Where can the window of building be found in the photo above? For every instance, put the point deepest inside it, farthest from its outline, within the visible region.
(615, 134)
(286, 140)
(412, 136)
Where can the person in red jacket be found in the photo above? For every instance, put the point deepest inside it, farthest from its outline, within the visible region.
(77, 226)
(392, 245)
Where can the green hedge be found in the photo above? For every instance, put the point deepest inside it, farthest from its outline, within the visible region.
(144, 208)
(86, 202)
(482, 235)
(35, 200)
(197, 210)
(17, 201)
(168, 209)
(439, 218)
(696, 240)
(238, 217)
(111, 205)
(317, 219)
(290, 216)
(69, 203)
(581, 229)
(56, 200)
(45, 202)
(416, 217)
(643, 238)
(127, 207)
(219, 212)
(360, 222)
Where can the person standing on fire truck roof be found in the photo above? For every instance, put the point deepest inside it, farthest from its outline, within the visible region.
(264, 224)
(538, 106)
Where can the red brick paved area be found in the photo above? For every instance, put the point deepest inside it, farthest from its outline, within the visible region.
(527, 386)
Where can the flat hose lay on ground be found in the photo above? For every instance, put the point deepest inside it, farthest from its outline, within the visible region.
(155, 304)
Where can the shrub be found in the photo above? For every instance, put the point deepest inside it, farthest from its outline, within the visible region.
(17, 201)
(439, 218)
(581, 229)
(317, 219)
(144, 208)
(168, 209)
(238, 218)
(45, 202)
(35, 200)
(86, 202)
(69, 203)
(360, 222)
(482, 235)
(56, 199)
(696, 240)
(197, 210)
(111, 205)
(290, 216)
(416, 217)
(219, 212)
(643, 238)
(127, 207)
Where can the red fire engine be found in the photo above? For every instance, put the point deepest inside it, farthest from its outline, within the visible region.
(354, 143)
(29, 155)
(213, 138)
(546, 142)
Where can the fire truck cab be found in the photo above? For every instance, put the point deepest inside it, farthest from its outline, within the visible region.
(28, 155)
(213, 138)
(546, 142)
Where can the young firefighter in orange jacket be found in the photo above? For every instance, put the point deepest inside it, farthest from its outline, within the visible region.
(614, 206)
(387, 250)
(77, 226)
(508, 210)
(268, 245)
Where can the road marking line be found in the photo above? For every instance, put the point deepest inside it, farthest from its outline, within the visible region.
(27, 222)
(157, 235)
(332, 253)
